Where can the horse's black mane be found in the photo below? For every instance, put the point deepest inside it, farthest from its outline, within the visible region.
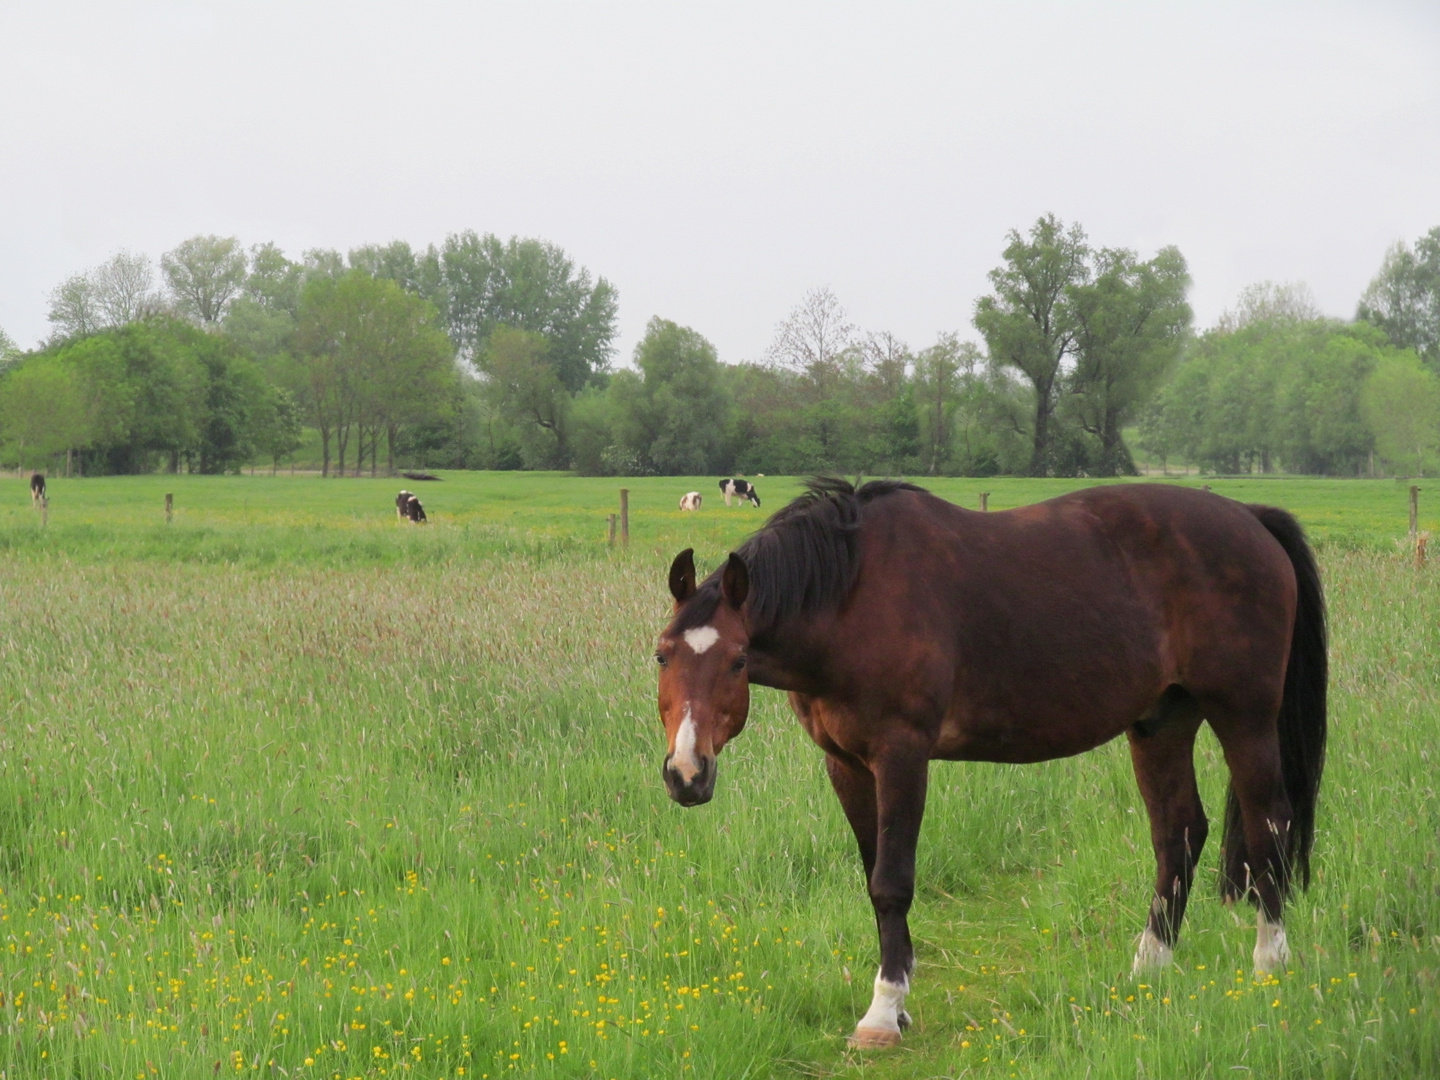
(803, 560)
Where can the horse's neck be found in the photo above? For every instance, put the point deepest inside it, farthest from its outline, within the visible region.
(787, 659)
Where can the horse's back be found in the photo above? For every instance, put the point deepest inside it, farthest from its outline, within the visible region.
(1127, 537)
(1048, 629)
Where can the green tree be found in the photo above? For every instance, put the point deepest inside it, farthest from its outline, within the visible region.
(594, 427)
(411, 371)
(677, 415)
(1027, 321)
(262, 318)
(766, 428)
(525, 387)
(41, 410)
(1270, 394)
(1322, 368)
(124, 289)
(236, 407)
(274, 281)
(888, 359)
(9, 351)
(324, 262)
(966, 411)
(886, 395)
(529, 285)
(894, 445)
(372, 359)
(157, 391)
(939, 372)
(107, 395)
(1130, 322)
(165, 391)
(1271, 303)
(323, 377)
(277, 429)
(398, 262)
(260, 331)
(1404, 297)
(1401, 405)
(74, 308)
(204, 274)
(118, 291)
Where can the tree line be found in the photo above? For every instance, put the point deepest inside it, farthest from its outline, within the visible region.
(487, 353)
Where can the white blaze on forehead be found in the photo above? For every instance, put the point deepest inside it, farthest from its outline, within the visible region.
(701, 638)
(684, 760)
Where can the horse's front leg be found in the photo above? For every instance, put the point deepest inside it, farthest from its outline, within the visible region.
(899, 792)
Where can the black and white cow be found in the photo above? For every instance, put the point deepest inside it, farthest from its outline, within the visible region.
(741, 489)
(414, 511)
(37, 489)
(401, 502)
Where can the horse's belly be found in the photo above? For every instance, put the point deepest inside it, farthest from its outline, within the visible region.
(1022, 740)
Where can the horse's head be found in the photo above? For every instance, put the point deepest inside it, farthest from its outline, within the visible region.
(704, 687)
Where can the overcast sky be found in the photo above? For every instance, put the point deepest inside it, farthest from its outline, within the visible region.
(715, 161)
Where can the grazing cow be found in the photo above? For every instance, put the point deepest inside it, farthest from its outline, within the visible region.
(401, 502)
(741, 489)
(37, 489)
(414, 511)
(691, 501)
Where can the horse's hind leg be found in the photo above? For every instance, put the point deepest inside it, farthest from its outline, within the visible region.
(1261, 868)
(1163, 752)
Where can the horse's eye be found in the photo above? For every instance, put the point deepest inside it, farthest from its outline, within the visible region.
(739, 664)
(660, 659)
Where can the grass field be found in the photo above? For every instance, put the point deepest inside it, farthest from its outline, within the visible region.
(289, 788)
(273, 521)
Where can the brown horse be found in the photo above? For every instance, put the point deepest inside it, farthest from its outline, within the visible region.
(906, 629)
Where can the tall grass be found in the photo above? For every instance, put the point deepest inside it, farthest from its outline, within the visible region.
(403, 815)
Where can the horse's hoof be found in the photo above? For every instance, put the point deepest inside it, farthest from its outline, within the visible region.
(867, 1038)
(1151, 954)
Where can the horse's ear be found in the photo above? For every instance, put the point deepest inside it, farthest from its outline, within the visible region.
(682, 576)
(735, 582)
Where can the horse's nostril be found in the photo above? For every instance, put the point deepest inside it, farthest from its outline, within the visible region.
(694, 791)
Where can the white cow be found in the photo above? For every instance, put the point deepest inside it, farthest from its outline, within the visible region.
(691, 501)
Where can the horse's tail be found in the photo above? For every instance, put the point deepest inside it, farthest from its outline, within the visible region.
(1302, 723)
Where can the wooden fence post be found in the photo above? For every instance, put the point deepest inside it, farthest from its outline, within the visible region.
(613, 519)
(44, 510)
(1420, 542)
(1414, 513)
(984, 500)
(169, 507)
(625, 517)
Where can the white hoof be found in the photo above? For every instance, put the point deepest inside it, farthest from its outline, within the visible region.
(1272, 951)
(869, 1038)
(881, 1025)
(1151, 954)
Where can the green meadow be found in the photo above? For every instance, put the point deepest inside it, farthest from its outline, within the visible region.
(290, 788)
(285, 520)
